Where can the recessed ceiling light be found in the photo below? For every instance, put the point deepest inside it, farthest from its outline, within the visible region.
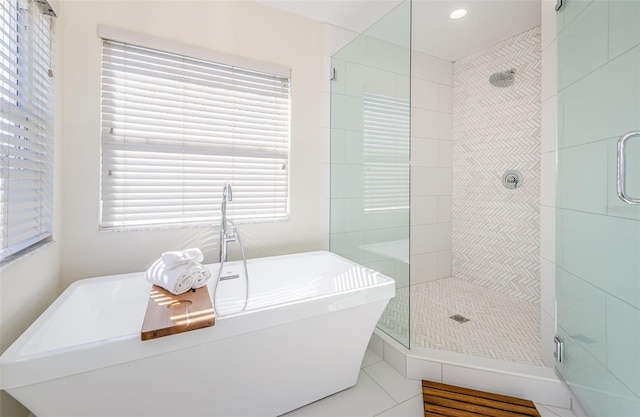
(458, 13)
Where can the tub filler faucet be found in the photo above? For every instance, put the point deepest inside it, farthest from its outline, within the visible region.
(229, 233)
(225, 236)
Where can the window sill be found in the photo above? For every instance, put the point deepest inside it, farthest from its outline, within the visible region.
(215, 224)
(25, 253)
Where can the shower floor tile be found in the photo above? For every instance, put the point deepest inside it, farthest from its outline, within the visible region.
(499, 326)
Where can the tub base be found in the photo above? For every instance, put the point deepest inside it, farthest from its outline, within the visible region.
(263, 373)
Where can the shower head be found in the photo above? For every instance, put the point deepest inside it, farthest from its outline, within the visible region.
(502, 79)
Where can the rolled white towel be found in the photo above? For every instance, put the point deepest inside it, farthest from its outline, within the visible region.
(201, 274)
(176, 280)
(181, 257)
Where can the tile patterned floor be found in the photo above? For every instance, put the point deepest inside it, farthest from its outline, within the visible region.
(382, 392)
(500, 326)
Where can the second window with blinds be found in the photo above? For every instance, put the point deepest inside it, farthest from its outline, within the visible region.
(176, 128)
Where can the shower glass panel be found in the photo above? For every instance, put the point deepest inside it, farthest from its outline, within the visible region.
(370, 149)
(598, 234)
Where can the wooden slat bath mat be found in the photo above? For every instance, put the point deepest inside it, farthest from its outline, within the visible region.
(447, 400)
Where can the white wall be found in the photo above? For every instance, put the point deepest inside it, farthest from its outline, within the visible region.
(431, 161)
(31, 283)
(234, 27)
(548, 153)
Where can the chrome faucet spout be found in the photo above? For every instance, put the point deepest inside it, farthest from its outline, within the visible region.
(227, 193)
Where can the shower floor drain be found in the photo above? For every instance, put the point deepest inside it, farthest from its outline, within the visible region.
(459, 318)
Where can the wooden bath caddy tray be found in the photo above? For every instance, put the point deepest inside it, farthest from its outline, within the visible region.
(169, 314)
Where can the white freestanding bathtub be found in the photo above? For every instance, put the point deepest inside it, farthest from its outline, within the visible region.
(301, 338)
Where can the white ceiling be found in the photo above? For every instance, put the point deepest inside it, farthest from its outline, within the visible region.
(354, 15)
(488, 21)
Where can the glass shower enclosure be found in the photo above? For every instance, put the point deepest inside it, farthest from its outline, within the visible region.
(598, 205)
(370, 153)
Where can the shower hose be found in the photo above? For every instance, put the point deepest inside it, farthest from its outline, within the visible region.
(246, 272)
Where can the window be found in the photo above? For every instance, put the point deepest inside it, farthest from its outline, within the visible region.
(386, 137)
(176, 128)
(26, 126)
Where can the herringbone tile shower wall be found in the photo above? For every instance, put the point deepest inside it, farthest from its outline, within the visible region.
(495, 231)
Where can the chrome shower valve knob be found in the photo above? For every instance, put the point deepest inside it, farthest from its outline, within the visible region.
(512, 179)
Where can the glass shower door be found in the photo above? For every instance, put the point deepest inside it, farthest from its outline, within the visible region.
(370, 141)
(598, 232)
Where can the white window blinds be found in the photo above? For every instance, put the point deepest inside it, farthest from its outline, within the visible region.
(26, 126)
(176, 128)
(386, 138)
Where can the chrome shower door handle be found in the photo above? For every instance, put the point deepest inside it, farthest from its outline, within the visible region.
(622, 169)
